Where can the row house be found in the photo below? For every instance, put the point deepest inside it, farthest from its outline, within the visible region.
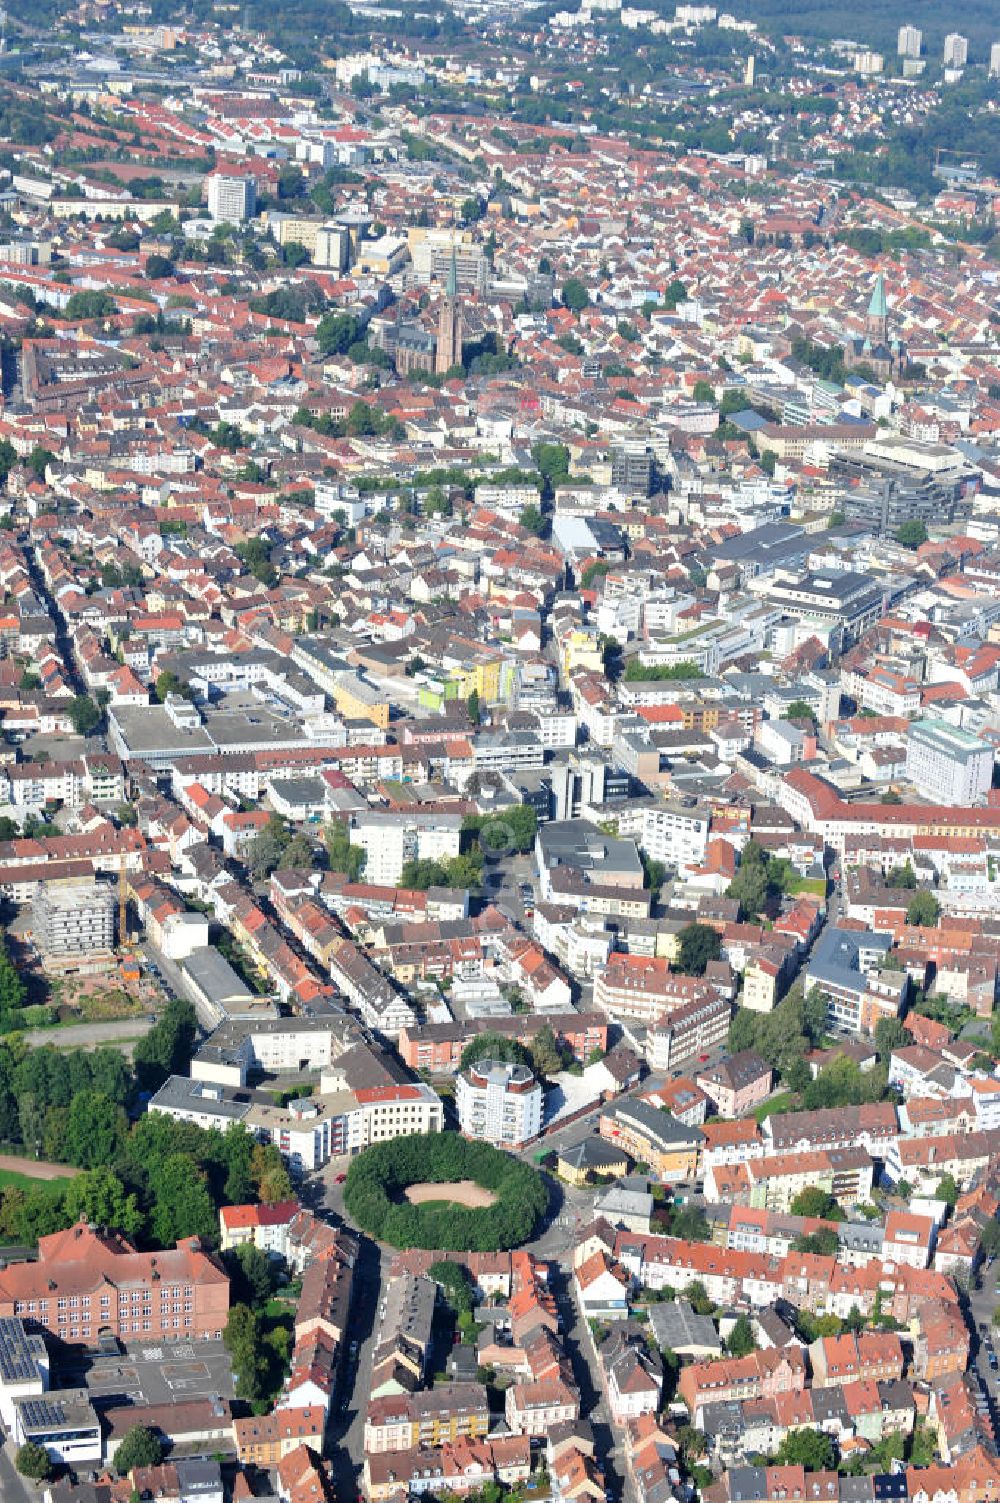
(870, 1356)
(458, 1469)
(762, 1374)
(404, 1422)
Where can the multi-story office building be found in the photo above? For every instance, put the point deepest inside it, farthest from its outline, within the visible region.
(995, 60)
(947, 764)
(73, 924)
(499, 1103)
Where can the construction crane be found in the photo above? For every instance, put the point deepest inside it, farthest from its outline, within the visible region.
(123, 940)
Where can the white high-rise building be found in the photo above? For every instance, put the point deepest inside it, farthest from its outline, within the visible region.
(499, 1103)
(995, 60)
(909, 41)
(947, 764)
(956, 50)
(231, 200)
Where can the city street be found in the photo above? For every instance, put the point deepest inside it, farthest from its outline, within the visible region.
(13, 1488)
(579, 1348)
(346, 1431)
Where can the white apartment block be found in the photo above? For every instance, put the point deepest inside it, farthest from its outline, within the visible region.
(499, 1103)
(956, 50)
(390, 840)
(909, 41)
(675, 835)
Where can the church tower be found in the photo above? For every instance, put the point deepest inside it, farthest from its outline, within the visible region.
(877, 317)
(450, 329)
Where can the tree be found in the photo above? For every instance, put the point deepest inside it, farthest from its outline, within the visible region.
(167, 682)
(494, 1046)
(697, 945)
(825, 1243)
(740, 1341)
(799, 710)
(911, 534)
(924, 910)
(95, 1130)
(183, 1205)
(697, 1297)
(159, 266)
(39, 460)
(167, 1048)
(547, 1055)
(690, 1224)
(140, 1448)
(33, 1462)
(947, 1190)
(336, 332)
(890, 1034)
(254, 1274)
(575, 295)
(101, 1196)
(903, 876)
(267, 849)
(749, 888)
(343, 856)
(692, 1442)
(472, 705)
(807, 1448)
(533, 520)
(269, 1174)
(84, 714)
(816, 1204)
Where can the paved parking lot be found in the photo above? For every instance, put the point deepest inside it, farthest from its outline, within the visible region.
(155, 1374)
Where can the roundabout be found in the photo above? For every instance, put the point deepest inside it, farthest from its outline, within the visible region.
(442, 1191)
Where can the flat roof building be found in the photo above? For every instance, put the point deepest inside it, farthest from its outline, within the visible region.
(948, 764)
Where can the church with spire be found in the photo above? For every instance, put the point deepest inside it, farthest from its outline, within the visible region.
(876, 349)
(414, 345)
(448, 349)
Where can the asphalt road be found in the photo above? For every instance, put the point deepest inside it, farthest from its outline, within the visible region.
(172, 983)
(579, 1347)
(346, 1432)
(90, 1035)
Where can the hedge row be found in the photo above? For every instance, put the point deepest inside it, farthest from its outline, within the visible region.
(376, 1182)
